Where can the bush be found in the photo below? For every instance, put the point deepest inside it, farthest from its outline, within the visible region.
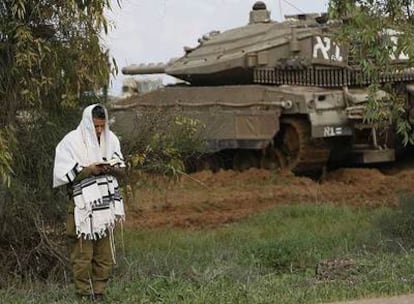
(51, 52)
(159, 141)
(32, 213)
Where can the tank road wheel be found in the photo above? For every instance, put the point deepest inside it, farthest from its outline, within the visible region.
(293, 137)
(245, 159)
(300, 151)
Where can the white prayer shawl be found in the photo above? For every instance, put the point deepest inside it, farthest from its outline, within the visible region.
(98, 203)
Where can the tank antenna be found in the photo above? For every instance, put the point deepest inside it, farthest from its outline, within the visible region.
(292, 5)
(280, 10)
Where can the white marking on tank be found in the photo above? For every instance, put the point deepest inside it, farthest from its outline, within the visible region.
(329, 131)
(394, 39)
(325, 46)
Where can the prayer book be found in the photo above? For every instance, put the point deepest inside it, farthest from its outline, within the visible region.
(112, 162)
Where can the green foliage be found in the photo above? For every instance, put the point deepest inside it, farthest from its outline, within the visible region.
(402, 119)
(50, 54)
(379, 35)
(5, 160)
(163, 142)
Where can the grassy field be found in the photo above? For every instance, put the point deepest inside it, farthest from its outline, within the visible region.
(302, 253)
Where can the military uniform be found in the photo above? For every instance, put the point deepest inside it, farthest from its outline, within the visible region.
(91, 260)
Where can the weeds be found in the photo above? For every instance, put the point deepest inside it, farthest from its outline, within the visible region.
(269, 258)
(160, 141)
(397, 226)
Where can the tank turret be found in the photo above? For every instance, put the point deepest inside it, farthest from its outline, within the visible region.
(240, 55)
(298, 51)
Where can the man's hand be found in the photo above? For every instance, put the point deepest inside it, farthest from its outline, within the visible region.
(117, 171)
(98, 169)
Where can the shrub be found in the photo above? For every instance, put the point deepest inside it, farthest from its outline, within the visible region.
(162, 141)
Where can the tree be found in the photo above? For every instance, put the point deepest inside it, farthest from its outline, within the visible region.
(51, 57)
(380, 35)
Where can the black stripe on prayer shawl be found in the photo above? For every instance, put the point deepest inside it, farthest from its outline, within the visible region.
(100, 208)
(117, 196)
(77, 168)
(119, 156)
(104, 183)
(77, 188)
(87, 183)
(71, 175)
(76, 193)
(68, 177)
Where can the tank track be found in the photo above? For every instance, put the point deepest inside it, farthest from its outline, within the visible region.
(299, 151)
(293, 149)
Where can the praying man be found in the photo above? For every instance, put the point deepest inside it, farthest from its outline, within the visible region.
(88, 160)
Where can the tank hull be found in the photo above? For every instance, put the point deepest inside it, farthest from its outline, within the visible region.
(294, 127)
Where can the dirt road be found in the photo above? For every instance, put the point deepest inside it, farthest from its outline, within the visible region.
(207, 199)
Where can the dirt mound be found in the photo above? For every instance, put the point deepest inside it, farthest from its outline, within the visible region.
(230, 177)
(206, 199)
(355, 176)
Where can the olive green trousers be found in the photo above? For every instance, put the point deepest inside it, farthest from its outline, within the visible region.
(91, 260)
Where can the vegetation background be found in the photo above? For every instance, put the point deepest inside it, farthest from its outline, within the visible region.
(51, 63)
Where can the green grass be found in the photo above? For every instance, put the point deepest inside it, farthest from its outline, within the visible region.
(269, 258)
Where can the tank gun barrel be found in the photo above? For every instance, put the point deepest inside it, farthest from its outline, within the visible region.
(141, 69)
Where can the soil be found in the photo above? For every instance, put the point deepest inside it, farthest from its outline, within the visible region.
(207, 200)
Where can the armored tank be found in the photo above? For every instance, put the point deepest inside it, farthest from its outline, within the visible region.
(273, 94)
